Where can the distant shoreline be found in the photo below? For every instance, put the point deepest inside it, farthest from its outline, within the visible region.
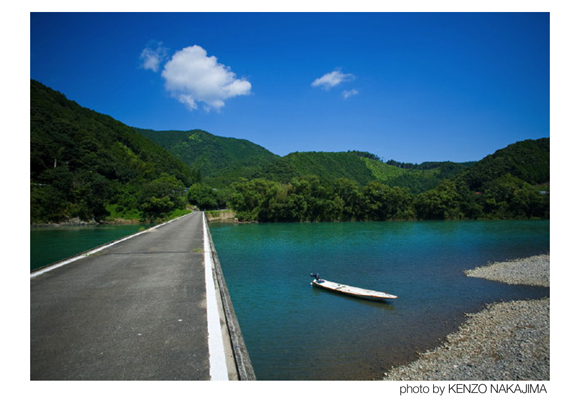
(226, 215)
(73, 223)
(506, 341)
(115, 221)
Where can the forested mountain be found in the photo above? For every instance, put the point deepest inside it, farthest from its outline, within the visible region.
(361, 167)
(87, 165)
(221, 161)
(326, 165)
(513, 183)
(526, 160)
(217, 160)
(83, 161)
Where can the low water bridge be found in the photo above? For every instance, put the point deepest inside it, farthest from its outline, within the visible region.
(152, 306)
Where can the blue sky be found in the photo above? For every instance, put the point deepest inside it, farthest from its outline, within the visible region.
(412, 87)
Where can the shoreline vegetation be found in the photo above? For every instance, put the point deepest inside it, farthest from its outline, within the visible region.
(505, 341)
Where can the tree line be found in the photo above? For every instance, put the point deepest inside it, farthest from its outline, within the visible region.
(308, 199)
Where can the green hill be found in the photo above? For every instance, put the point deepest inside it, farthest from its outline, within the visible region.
(218, 160)
(417, 178)
(328, 166)
(360, 167)
(83, 161)
(527, 160)
(510, 184)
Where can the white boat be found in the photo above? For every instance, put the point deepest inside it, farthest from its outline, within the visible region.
(351, 290)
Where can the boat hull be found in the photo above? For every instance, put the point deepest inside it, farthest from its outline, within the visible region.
(352, 291)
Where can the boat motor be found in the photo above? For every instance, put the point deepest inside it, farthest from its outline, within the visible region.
(316, 276)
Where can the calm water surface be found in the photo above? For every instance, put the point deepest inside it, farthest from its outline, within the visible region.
(51, 244)
(296, 332)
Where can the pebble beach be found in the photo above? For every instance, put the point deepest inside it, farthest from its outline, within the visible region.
(508, 341)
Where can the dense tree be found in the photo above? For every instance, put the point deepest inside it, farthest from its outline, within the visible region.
(206, 197)
(217, 160)
(509, 197)
(440, 203)
(48, 204)
(308, 199)
(348, 195)
(383, 202)
(251, 199)
(82, 162)
(527, 160)
(91, 191)
(161, 196)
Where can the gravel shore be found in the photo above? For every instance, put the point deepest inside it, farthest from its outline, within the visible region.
(504, 342)
(533, 271)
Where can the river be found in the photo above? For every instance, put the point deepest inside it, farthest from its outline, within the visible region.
(296, 332)
(54, 243)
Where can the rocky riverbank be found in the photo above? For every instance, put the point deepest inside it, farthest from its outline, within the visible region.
(534, 271)
(505, 341)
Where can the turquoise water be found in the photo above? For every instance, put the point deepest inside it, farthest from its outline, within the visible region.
(296, 332)
(51, 244)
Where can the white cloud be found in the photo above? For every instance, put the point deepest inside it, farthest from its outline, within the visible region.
(188, 101)
(332, 79)
(153, 55)
(192, 77)
(349, 93)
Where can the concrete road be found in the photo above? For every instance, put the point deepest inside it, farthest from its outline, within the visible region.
(133, 311)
